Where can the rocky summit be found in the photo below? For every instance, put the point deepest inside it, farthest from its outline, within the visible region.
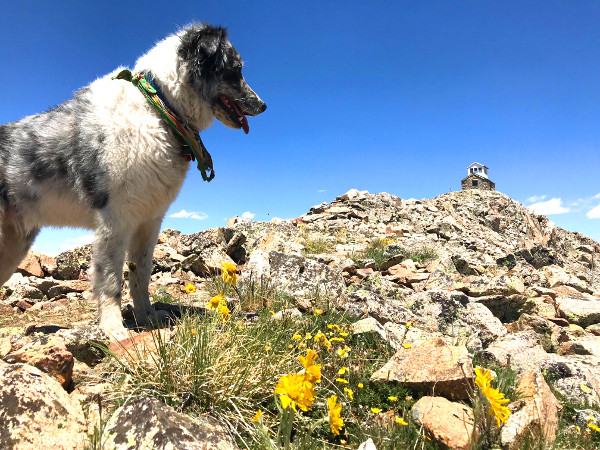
(469, 278)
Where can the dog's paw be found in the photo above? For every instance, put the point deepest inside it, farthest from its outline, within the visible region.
(116, 334)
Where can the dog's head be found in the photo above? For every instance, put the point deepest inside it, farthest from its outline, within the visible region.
(215, 74)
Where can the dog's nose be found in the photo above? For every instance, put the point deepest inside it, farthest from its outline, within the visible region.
(263, 107)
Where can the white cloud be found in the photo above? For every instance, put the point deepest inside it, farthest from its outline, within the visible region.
(248, 215)
(80, 241)
(552, 206)
(322, 190)
(183, 214)
(536, 198)
(594, 213)
(585, 201)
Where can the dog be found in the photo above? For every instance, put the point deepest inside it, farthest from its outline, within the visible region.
(108, 160)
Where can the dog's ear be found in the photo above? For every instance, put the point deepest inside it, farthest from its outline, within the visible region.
(203, 49)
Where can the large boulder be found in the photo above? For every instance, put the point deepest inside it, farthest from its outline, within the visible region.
(583, 311)
(73, 264)
(148, 424)
(538, 414)
(452, 424)
(433, 367)
(303, 278)
(36, 412)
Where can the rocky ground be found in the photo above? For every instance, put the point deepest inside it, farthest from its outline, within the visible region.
(466, 275)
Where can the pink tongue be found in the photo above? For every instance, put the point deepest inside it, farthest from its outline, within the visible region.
(245, 124)
(241, 117)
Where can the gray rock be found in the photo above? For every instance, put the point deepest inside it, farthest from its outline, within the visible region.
(69, 265)
(148, 424)
(85, 343)
(585, 416)
(582, 312)
(576, 378)
(29, 293)
(520, 351)
(438, 310)
(307, 280)
(483, 323)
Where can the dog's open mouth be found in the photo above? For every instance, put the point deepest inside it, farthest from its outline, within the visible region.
(235, 112)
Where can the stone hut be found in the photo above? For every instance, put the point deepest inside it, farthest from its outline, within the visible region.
(477, 178)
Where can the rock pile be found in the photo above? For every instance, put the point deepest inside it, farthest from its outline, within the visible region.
(466, 274)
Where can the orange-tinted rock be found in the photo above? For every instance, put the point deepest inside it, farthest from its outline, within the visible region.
(51, 357)
(143, 344)
(538, 416)
(433, 366)
(450, 423)
(31, 265)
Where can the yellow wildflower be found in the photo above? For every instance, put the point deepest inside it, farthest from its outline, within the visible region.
(190, 288)
(293, 390)
(393, 399)
(312, 370)
(228, 273)
(408, 324)
(257, 416)
(267, 348)
(341, 380)
(318, 312)
(308, 336)
(335, 420)
(349, 393)
(375, 410)
(482, 377)
(272, 312)
(342, 371)
(593, 427)
(343, 352)
(301, 345)
(407, 345)
(214, 302)
(360, 385)
(224, 311)
(336, 339)
(297, 337)
(400, 421)
(495, 397)
(344, 334)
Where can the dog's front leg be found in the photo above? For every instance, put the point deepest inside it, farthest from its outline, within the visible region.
(108, 256)
(141, 249)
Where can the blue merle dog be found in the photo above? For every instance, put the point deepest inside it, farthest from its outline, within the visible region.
(106, 160)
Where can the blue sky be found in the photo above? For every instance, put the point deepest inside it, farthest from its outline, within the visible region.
(394, 96)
